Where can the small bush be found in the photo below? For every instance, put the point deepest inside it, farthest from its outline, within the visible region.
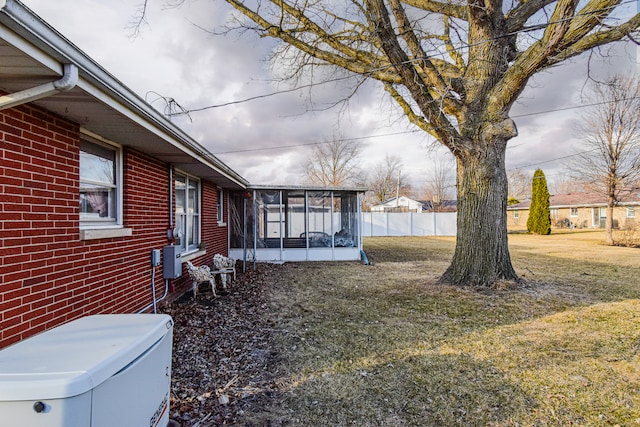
(629, 236)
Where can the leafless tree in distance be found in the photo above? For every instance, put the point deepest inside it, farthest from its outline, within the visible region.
(609, 156)
(440, 185)
(386, 180)
(566, 183)
(519, 184)
(334, 163)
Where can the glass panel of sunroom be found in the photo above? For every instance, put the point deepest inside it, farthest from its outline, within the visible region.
(294, 219)
(354, 214)
(345, 224)
(319, 220)
(268, 224)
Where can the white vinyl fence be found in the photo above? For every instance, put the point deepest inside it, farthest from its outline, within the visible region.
(409, 224)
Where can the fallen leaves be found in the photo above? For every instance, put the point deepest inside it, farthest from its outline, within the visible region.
(223, 362)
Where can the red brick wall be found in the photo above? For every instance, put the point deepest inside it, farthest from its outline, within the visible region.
(213, 235)
(49, 276)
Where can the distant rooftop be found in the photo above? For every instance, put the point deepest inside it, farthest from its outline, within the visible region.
(582, 199)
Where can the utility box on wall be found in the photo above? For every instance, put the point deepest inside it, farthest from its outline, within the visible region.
(97, 371)
(172, 262)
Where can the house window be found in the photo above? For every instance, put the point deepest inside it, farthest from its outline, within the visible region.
(187, 212)
(220, 206)
(554, 213)
(631, 211)
(100, 184)
(516, 214)
(574, 212)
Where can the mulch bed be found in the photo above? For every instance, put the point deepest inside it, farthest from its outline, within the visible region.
(224, 365)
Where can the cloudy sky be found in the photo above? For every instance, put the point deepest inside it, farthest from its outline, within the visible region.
(268, 138)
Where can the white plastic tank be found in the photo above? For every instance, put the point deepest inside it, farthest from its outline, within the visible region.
(97, 371)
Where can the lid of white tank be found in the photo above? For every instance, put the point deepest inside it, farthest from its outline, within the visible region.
(78, 356)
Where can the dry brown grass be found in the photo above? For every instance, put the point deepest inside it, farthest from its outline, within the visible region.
(384, 345)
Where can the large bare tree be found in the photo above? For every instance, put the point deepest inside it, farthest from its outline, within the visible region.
(455, 68)
(609, 160)
(334, 163)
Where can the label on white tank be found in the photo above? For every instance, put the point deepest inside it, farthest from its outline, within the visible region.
(157, 416)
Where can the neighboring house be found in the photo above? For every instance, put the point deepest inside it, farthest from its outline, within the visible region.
(580, 210)
(399, 204)
(94, 185)
(406, 204)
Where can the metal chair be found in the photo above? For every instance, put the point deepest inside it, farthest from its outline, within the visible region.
(199, 275)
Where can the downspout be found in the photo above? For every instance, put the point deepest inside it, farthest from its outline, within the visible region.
(67, 82)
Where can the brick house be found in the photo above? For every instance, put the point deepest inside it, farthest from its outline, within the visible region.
(92, 179)
(96, 185)
(580, 210)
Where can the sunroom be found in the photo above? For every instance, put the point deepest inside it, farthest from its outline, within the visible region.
(296, 224)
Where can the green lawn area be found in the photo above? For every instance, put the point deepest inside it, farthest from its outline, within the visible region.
(385, 345)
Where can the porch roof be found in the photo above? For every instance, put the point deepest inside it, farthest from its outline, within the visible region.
(307, 188)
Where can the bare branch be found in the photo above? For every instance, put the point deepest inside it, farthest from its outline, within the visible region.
(138, 20)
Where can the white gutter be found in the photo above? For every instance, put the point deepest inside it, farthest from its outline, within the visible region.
(67, 82)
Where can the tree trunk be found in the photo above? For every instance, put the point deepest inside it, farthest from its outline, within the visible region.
(482, 254)
(608, 228)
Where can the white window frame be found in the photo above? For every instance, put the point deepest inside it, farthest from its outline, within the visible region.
(220, 214)
(571, 212)
(92, 229)
(631, 211)
(516, 214)
(189, 216)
